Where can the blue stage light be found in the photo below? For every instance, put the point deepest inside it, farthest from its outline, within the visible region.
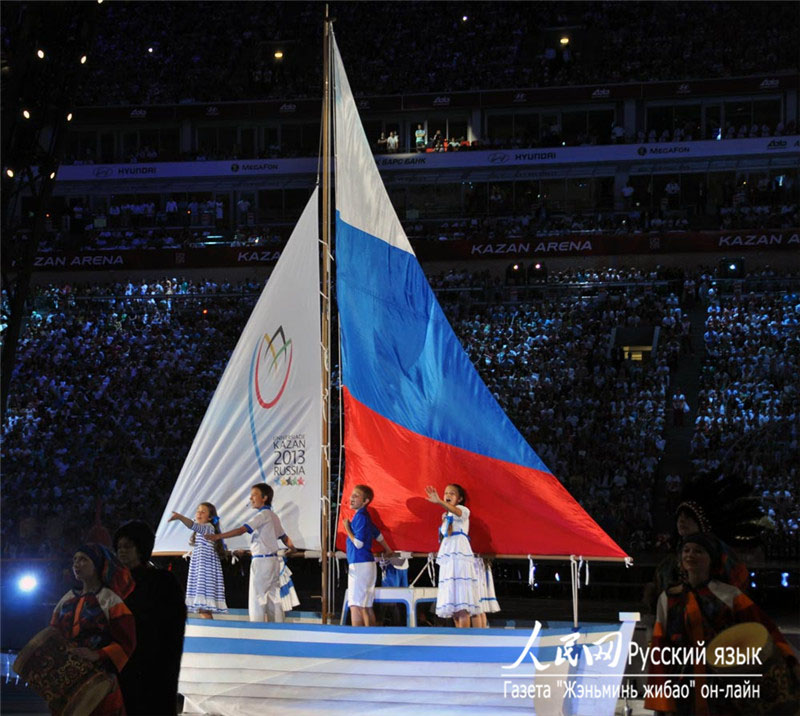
(558, 579)
(27, 583)
(784, 579)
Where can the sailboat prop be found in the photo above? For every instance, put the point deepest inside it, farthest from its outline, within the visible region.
(416, 413)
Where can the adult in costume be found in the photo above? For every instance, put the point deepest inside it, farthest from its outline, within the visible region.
(691, 614)
(724, 506)
(149, 680)
(95, 620)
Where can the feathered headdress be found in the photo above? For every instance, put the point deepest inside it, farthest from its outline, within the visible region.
(725, 505)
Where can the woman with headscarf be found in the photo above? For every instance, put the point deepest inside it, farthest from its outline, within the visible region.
(689, 616)
(691, 518)
(725, 506)
(149, 681)
(95, 619)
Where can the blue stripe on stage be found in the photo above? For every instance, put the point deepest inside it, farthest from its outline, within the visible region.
(560, 629)
(371, 652)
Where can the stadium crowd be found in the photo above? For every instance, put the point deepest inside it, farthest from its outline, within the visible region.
(189, 221)
(104, 366)
(749, 400)
(423, 47)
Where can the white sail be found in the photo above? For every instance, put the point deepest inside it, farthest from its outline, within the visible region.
(264, 421)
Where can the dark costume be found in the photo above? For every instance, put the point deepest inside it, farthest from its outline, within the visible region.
(150, 679)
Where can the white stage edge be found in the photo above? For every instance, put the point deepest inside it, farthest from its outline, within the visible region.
(243, 668)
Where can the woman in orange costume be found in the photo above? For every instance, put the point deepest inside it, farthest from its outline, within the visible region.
(94, 618)
(692, 613)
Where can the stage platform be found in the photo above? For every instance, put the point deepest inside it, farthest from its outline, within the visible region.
(238, 667)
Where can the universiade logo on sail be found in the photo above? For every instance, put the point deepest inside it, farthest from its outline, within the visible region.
(270, 368)
(273, 363)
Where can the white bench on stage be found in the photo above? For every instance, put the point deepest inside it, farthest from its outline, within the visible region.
(409, 596)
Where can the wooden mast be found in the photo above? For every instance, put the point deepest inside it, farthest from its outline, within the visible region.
(326, 315)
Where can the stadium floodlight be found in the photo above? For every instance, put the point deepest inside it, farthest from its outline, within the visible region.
(537, 272)
(27, 583)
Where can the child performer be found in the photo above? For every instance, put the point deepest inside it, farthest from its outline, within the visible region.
(265, 529)
(457, 596)
(361, 570)
(205, 587)
(487, 597)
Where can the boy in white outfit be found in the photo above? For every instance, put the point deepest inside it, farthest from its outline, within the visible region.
(265, 529)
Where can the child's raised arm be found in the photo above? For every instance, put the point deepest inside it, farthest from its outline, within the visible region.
(225, 535)
(433, 496)
(182, 518)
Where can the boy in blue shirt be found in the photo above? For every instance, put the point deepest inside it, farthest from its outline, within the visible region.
(361, 570)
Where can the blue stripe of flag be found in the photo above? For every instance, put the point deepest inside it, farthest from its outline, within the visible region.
(402, 359)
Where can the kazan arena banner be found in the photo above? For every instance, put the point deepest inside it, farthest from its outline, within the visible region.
(539, 247)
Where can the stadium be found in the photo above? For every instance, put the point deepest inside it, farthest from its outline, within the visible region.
(602, 196)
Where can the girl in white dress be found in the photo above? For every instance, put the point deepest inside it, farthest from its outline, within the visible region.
(458, 583)
(487, 597)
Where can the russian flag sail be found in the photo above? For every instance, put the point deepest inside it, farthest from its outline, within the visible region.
(416, 411)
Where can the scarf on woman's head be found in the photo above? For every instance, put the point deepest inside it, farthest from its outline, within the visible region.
(112, 573)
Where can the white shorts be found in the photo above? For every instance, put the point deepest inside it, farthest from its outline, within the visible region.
(361, 578)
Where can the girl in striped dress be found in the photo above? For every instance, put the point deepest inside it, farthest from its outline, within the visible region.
(205, 588)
